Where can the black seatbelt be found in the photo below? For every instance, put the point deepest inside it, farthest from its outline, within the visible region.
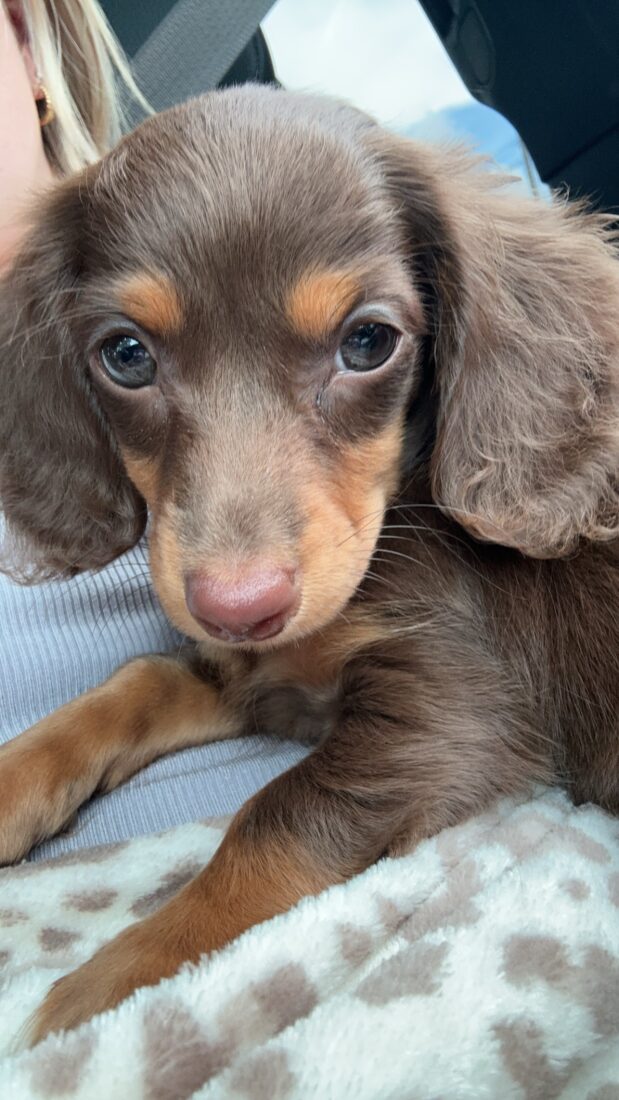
(193, 47)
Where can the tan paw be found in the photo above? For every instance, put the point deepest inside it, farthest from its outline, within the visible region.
(43, 781)
(27, 813)
(133, 959)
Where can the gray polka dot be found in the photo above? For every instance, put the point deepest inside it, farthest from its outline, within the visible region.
(9, 917)
(356, 944)
(55, 939)
(417, 971)
(287, 995)
(598, 987)
(263, 1009)
(593, 982)
(91, 901)
(576, 888)
(522, 838)
(451, 907)
(527, 958)
(178, 1056)
(390, 915)
(613, 888)
(522, 1049)
(265, 1076)
(585, 845)
(59, 1072)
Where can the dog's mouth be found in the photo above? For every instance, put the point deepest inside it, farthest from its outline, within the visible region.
(251, 632)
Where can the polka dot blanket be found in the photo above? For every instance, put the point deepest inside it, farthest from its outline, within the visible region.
(485, 964)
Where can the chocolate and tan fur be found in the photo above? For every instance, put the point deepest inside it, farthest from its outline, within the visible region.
(447, 520)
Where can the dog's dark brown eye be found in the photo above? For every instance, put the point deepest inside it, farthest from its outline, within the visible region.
(368, 346)
(128, 362)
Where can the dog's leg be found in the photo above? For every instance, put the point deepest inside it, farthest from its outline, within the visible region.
(402, 760)
(151, 706)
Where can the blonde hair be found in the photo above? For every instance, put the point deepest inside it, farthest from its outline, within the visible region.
(86, 76)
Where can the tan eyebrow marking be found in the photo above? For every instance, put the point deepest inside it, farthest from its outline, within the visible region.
(320, 300)
(152, 301)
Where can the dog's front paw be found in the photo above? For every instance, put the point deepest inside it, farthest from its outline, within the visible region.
(135, 958)
(26, 815)
(42, 784)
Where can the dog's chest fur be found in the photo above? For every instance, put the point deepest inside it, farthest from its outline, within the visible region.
(293, 692)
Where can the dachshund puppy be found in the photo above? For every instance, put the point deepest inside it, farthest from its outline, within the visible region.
(369, 401)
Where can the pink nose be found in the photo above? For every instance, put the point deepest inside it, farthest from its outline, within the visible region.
(257, 604)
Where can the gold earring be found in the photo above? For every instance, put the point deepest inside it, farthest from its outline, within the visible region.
(45, 109)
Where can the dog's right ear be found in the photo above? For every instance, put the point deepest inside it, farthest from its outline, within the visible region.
(66, 498)
(522, 298)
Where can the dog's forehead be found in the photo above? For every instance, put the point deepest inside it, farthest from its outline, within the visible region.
(243, 187)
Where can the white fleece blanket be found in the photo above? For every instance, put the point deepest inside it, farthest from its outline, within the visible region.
(483, 965)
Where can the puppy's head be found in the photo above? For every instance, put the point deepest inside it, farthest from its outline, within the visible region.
(251, 320)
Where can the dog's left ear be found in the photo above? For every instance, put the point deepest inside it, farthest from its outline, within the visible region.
(523, 300)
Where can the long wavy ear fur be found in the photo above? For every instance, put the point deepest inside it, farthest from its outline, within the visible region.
(526, 349)
(67, 502)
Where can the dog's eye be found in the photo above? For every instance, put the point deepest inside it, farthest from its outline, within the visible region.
(127, 362)
(368, 346)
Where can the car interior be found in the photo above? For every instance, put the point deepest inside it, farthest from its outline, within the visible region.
(550, 69)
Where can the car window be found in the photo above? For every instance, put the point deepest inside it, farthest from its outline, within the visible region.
(387, 59)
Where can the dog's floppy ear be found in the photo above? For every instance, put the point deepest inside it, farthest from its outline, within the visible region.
(65, 496)
(523, 297)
